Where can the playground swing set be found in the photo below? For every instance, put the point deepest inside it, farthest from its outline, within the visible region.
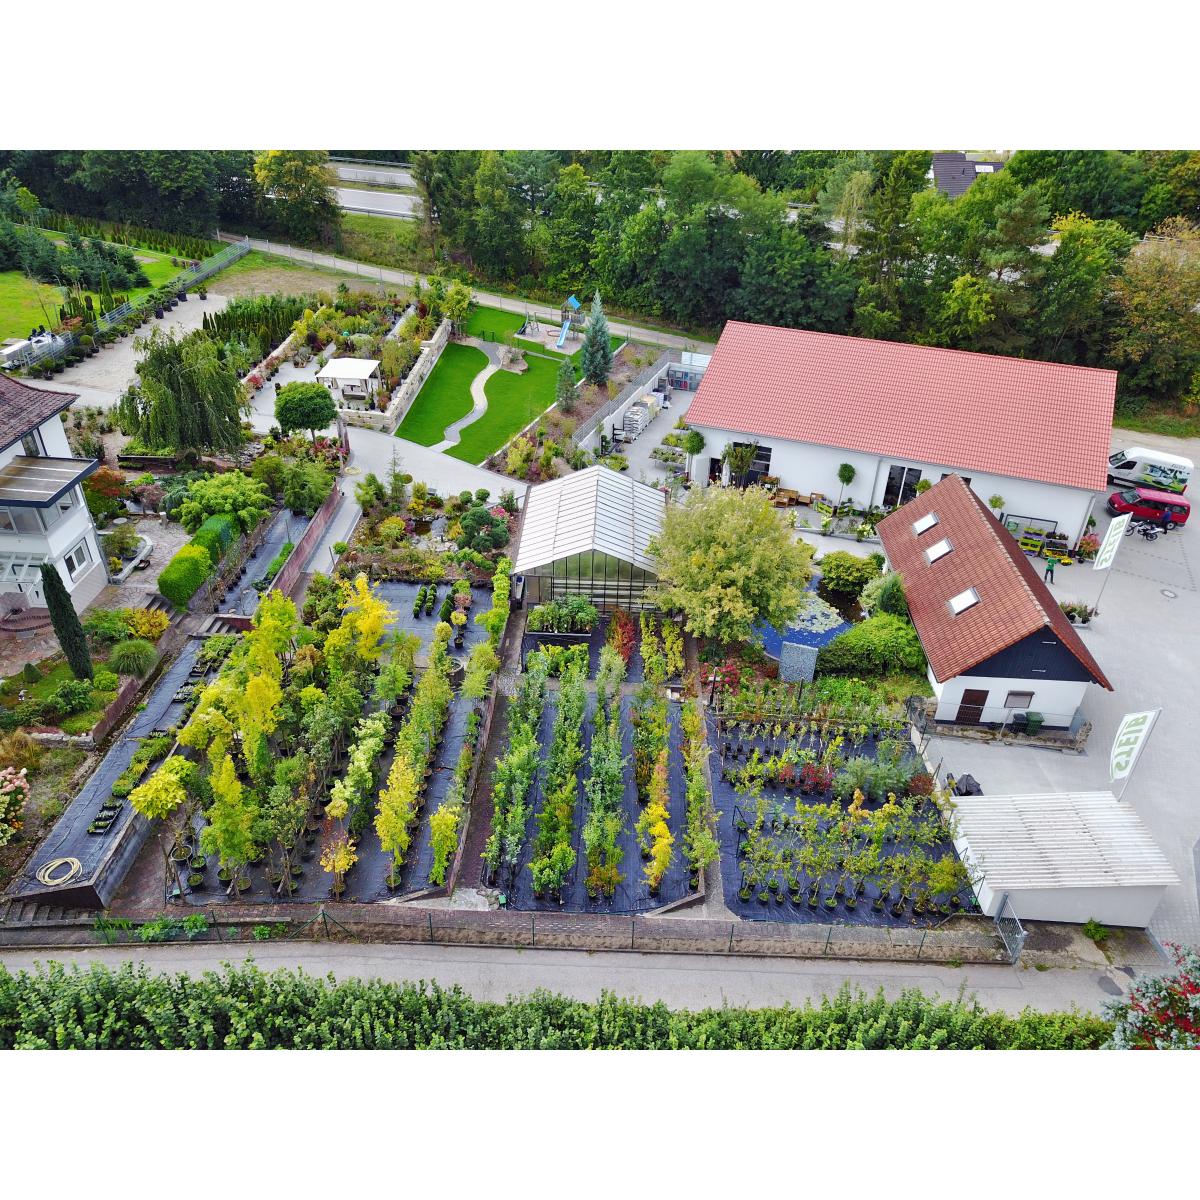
(570, 316)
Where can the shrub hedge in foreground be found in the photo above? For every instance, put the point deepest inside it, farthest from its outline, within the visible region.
(245, 1008)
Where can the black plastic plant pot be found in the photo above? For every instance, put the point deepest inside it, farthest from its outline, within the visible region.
(199, 863)
(195, 880)
(763, 897)
(851, 903)
(243, 884)
(831, 902)
(779, 897)
(297, 872)
(745, 894)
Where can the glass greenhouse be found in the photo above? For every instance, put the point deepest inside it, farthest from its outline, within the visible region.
(588, 535)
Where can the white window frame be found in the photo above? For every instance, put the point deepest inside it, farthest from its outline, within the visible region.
(924, 524)
(1009, 700)
(938, 550)
(963, 601)
(80, 548)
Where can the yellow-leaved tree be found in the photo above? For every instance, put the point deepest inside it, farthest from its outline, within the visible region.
(397, 806)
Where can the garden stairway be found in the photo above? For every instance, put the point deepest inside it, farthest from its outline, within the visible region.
(25, 622)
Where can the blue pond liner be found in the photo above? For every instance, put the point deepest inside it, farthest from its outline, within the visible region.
(798, 634)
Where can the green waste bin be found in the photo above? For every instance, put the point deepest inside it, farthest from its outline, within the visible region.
(1033, 722)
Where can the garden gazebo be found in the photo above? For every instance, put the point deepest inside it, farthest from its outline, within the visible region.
(588, 534)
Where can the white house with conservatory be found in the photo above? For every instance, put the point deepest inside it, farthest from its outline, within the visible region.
(1034, 433)
(43, 515)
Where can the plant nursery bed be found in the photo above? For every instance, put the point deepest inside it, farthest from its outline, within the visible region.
(798, 821)
(632, 894)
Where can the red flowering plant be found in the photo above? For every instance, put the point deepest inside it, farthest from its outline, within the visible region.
(815, 779)
(622, 634)
(254, 380)
(1161, 1012)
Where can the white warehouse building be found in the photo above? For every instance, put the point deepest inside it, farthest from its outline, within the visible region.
(1034, 433)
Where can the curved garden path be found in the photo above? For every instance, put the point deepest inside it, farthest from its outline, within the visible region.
(478, 396)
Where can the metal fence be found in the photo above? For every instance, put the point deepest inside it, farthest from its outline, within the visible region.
(627, 393)
(1010, 929)
(63, 343)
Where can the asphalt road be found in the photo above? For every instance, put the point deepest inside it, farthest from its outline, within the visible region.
(404, 205)
(681, 981)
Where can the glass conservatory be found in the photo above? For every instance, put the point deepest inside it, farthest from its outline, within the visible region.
(588, 534)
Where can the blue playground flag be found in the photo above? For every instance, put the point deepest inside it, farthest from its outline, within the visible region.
(572, 301)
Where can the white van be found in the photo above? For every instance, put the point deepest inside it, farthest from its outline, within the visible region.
(1150, 468)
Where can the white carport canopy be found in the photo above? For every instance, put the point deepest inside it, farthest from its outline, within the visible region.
(1067, 856)
(354, 369)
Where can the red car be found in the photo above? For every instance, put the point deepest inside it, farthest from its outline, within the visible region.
(1161, 508)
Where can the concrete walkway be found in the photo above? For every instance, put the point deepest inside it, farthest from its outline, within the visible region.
(516, 304)
(478, 395)
(681, 981)
(102, 378)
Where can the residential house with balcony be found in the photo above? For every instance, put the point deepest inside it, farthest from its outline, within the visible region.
(43, 515)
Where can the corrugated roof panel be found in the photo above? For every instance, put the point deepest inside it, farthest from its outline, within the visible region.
(1063, 840)
(593, 509)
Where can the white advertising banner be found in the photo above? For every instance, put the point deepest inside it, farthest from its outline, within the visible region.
(1127, 745)
(1112, 541)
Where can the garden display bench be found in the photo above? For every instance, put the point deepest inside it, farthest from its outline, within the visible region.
(786, 498)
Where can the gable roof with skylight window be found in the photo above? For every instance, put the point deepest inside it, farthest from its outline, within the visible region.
(971, 590)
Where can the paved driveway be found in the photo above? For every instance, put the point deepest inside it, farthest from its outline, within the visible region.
(1145, 638)
(102, 379)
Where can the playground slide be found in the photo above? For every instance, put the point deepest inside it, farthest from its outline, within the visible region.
(562, 335)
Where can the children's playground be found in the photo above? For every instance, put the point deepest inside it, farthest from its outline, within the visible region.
(468, 407)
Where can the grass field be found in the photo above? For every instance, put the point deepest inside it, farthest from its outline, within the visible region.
(1169, 424)
(25, 302)
(513, 401)
(383, 240)
(492, 324)
(445, 396)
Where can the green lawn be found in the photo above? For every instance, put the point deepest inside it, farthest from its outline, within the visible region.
(445, 395)
(492, 324)
(25, 302)
(55, 673)
(513, 401)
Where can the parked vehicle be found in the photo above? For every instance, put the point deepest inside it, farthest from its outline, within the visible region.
(1147, 529)
(1146, 504)
(1150, 468)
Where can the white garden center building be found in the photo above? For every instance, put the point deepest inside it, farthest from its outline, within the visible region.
(1035, 434)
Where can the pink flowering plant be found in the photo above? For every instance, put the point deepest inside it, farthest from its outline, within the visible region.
(14, 792)
(1161, 1012)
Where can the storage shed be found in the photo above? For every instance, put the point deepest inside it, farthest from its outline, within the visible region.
(588, 534)
(1069, 856)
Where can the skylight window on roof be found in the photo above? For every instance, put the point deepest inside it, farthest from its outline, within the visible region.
(921, 524)
(964, 600)
(938, 550)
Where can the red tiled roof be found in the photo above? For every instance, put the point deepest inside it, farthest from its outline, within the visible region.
(951, 408)
(1013, 600)
(23, 408)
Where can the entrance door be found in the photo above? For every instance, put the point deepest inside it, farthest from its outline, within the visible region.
(714, 470)
(970, 707)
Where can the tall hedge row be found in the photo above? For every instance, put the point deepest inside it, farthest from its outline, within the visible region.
(246, 1008)
(216, 535)
(184, 575)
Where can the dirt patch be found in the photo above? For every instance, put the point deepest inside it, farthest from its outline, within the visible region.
(257, 281)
